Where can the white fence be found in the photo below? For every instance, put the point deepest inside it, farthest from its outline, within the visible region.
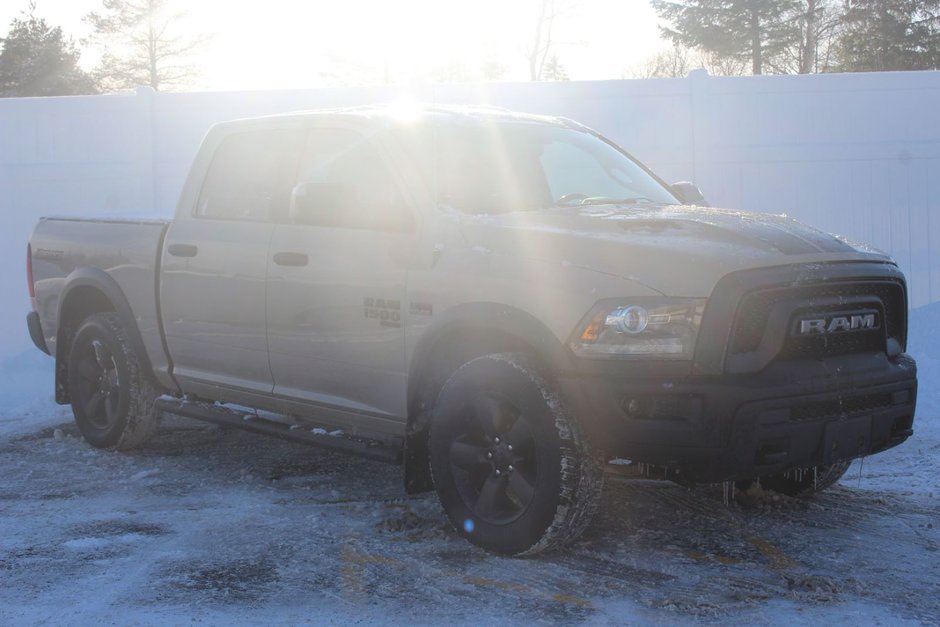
(854, 154)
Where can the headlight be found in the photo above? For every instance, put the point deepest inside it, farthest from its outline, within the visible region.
(657, 329)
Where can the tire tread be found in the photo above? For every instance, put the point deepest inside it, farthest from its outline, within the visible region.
(142, 418)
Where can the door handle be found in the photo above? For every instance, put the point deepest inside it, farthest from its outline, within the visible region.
(290, 259)
(182, 250)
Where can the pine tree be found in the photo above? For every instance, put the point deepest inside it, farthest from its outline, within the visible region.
(757, 30)
(554, 70)
(38, 60)
(883, 35)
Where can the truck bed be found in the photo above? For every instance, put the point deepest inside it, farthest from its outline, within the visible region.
(72, 253)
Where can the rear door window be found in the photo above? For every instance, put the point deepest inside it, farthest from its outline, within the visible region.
(250, 176)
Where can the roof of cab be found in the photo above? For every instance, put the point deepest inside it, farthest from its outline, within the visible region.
(398, 114)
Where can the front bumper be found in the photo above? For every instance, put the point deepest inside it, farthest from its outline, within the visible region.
(795, 414)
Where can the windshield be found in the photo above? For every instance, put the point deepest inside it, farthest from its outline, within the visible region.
(515, 166)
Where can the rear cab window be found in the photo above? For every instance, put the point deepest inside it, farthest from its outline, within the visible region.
(250, 176)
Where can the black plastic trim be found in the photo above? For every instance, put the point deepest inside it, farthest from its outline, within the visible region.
(105, 283)
(220, 414)
(496, 318)
(35, 332)
(718, 319)
(788, 401)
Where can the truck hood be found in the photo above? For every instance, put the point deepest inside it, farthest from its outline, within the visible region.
(675, 250)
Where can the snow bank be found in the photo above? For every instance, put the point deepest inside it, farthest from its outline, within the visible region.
(924, 344)
(26, 381)
(26, 393)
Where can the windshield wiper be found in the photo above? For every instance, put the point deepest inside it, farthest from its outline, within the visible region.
(603, 200)
(578, 200)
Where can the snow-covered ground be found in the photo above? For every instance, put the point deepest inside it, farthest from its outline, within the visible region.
(219, 526)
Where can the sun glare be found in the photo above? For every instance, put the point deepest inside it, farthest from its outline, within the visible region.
(406, 108)
(285, 44)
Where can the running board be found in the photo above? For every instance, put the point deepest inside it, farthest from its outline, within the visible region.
(219, 414)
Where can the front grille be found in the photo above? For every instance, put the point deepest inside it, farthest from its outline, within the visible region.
(842, 407)
(809, 347)
(750, 329)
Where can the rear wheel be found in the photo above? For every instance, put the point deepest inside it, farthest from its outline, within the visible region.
(510, 466)
(802, 482)
(112, 399)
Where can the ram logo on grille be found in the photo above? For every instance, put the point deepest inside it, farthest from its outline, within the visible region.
(842, 322)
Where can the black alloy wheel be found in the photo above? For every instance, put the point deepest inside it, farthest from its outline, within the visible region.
(97, 389)
(493, 462)
(510, 465)
(112, 398)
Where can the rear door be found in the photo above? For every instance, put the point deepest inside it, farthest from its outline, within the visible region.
(212, 287)
(336, 280)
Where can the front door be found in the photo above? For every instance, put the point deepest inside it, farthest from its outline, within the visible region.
(336, 281)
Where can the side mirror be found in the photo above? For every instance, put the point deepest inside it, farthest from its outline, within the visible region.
(689, 193)
(340, 205)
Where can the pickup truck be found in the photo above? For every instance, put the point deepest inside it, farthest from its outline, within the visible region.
(501, 303)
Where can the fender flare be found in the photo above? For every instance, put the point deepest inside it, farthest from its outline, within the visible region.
(104, 283)
(499, 318)
(484, 317)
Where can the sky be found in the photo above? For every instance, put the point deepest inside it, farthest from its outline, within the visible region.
(297, 44)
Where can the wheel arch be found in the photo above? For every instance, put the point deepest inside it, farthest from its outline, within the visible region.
(89, 291)
(457, 336)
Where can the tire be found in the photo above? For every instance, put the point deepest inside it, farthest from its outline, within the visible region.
(112, 399)
(512, 469)
(803, 482)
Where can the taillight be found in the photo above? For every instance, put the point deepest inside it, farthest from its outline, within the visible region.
(29, 271)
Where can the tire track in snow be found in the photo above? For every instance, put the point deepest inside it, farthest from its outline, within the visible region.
(257, 525)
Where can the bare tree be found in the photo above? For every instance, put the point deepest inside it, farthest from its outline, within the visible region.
(816, 28)
(720, 65)
(493, 70)
(678, 61)
(142, 44)
(674, 62)
(340, 70)
(543, 41)
(453, 71)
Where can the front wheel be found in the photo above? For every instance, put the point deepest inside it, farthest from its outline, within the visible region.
(112, 399)
(511, 467)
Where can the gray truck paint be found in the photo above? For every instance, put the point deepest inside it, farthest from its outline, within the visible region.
(67, 252)
(232, 325)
